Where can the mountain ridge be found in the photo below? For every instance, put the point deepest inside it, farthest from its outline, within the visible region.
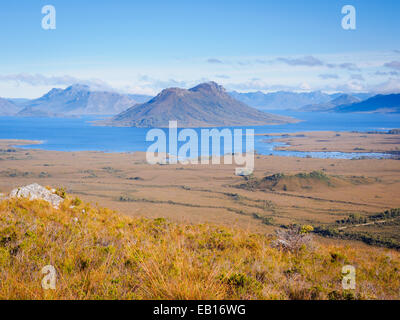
(281, 99)
(8, 108)
(381, 103)
(205, 105)
(287, 100)
(77, 100)
(340, 100)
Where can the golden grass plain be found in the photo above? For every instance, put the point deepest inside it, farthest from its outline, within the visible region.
(209, 193)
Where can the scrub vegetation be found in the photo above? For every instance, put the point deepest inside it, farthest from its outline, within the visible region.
(99, 254)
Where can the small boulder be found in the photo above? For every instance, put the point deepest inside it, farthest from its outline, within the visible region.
(243, 172)
(37, 192)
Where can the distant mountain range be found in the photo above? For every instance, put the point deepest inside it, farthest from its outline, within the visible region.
(281, 99)
(289, 100)
(206, 105)
(19, 101)
(140, 98)
(8, 108)
(77, 100)
(73, 101)
(380, 103)
(343, 99)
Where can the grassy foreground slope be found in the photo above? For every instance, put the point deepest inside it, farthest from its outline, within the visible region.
(99, 254)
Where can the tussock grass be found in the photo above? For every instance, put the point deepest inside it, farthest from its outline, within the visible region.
(314, 180)
(99, 254)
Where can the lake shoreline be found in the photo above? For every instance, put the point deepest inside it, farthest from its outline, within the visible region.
(80, 135)
(334, 141)
(318, 144)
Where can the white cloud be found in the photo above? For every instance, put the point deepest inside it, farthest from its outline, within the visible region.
(358, 77)
(213, 60)
(309, 61)
(327, 72)
(260, 85)
(393, 65)
(390, 86)
(327, 76)
(346, 65)
(42, 80)
(222, 76)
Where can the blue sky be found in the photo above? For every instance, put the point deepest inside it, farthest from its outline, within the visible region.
(144, 46)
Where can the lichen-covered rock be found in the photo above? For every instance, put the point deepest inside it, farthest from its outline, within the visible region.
(37, 192)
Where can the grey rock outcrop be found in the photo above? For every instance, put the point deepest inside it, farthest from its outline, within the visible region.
(37, 192)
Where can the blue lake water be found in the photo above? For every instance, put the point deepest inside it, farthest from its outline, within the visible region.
(78, 134)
